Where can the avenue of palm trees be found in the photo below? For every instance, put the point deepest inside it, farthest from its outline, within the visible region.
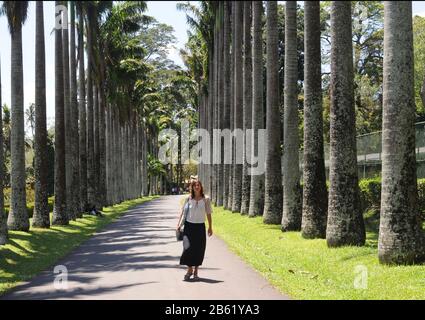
(82, 174)
(109, 109)
(234, 35)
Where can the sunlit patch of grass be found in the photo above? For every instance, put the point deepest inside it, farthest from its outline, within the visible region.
(308, 269)
(28, 253)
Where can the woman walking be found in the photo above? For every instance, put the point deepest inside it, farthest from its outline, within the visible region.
(194, 239)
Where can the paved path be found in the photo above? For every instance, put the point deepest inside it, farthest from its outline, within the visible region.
(137, 257)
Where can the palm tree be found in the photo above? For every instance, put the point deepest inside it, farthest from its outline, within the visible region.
(67, 107)
(98, 109)
(117, 156)
(211, 116)
(74, 138)
(60, 215)
(82, 110)
(229, 204)
(401, 238)
(3, 218)
(96, 159)
(291, 216)
(214, 96)
(257, 180)
(227, 98)
(247, 103)
(102, 141)
(109, 156)
(273, 174)
(345, 224)
(41, 216)
(220, 72)
(18, 219)
(315, 196)
(238, 101)
(91, 196)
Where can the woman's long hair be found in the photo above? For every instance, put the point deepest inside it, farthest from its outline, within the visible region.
(192, 189)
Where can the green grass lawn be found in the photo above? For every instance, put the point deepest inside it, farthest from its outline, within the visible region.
(308, 269)
(28, 253)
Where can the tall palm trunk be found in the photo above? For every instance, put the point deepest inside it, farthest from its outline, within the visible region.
(41, 216)
(232, 103)
(315, 195)
(60, 216)
(291, 215)
(145, 160)
(127, 169)
(142, 147)
(345, 221)
(131, 149)
(247, 104)
(136, 162)
(68, 129)
(116, 156)
(401, 238)
(101, 124)
(108, 157)
(96, 165)
(91, 195)
(82, 112)
(220, 183)
(102, 148)
(210, 120)
(111, 155)
(3, 218)
(215, 114)
(138, 191)
(74, 138)
(123, 154)
(273, 174)
(18, 215)
(123, 158)
(227, 98)
(257, 180)
(238, 96)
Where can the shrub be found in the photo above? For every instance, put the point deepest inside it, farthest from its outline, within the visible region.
(30, 207)
(421, 196)
(29, 192)
(370, 194)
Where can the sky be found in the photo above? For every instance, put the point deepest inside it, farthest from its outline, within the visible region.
(163, 11)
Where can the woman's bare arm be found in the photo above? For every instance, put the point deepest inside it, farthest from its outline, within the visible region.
(208, 210)
(180, 218)
(181, 215)
(210, 232)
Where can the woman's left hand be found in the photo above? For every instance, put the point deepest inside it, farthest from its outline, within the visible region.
(210, 232)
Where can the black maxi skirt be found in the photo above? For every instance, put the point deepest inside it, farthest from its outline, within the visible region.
(194, 255)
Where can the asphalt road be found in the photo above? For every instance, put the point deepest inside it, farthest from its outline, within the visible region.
(137, 257)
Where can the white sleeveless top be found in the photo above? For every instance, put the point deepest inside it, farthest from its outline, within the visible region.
(198, 210)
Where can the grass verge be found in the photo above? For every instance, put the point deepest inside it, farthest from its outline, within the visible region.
(28, 253)
(308, 269)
